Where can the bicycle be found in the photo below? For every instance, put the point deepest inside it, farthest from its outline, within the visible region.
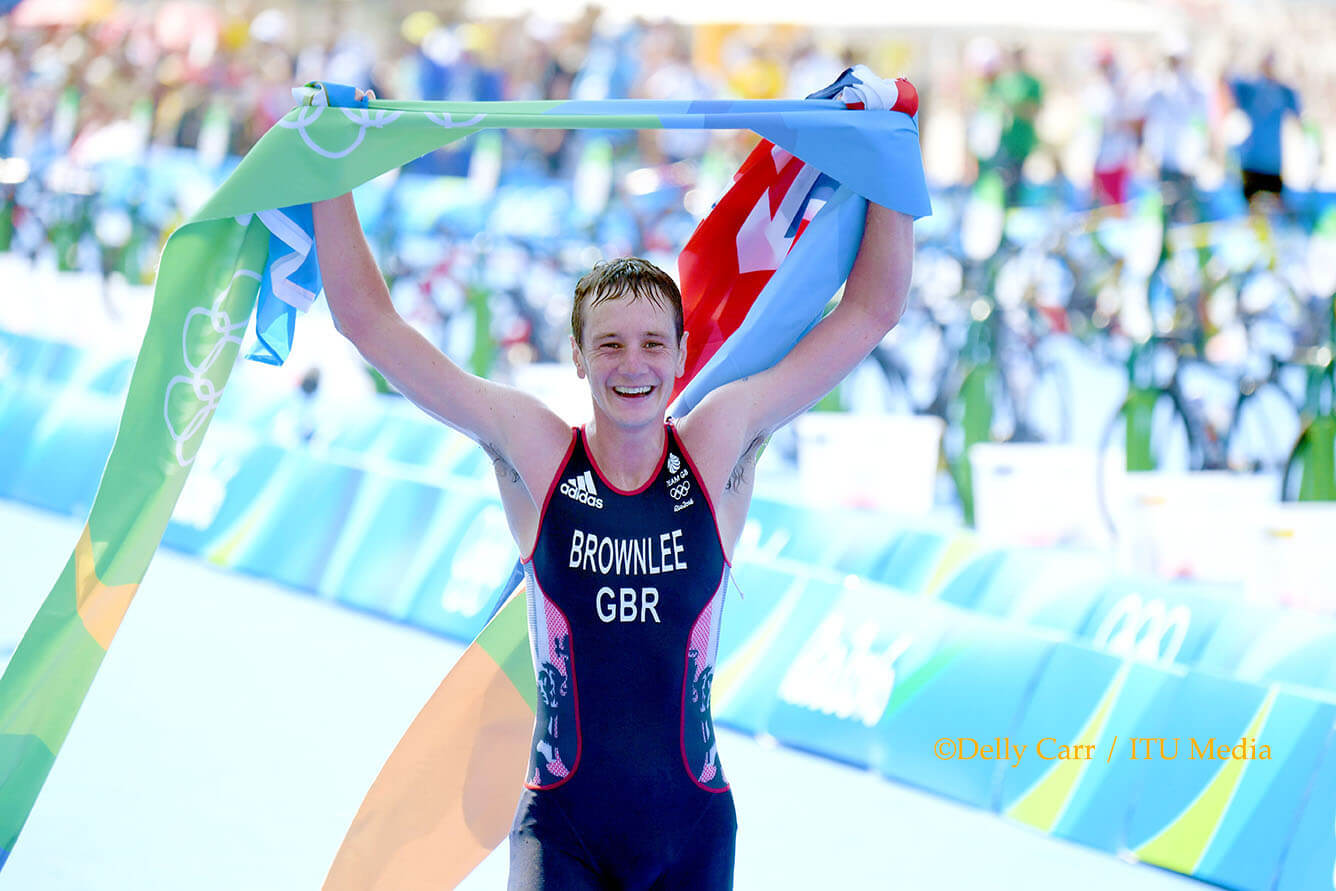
(1310, 471)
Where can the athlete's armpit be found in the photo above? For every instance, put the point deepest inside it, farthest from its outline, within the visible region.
(744, 472)
(504, 470)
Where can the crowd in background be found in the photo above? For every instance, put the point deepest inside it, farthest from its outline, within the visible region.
(115, 128)
(1198, 102)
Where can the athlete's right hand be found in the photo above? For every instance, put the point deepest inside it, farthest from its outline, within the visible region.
(368, 94)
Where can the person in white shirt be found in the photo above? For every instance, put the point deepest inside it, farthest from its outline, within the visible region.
(1175, 132)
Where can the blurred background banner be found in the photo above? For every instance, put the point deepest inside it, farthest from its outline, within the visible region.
(1084, 492)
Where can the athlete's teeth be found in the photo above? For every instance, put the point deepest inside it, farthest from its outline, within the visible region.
(632, 391)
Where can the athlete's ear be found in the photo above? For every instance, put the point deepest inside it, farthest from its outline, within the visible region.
(682, 354)
(577, 358)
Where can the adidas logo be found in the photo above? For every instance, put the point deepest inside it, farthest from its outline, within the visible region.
(674, 463)
(581, 488)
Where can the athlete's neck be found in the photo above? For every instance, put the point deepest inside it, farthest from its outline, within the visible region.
(626, 457)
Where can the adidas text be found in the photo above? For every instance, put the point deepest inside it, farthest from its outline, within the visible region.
(581, 488)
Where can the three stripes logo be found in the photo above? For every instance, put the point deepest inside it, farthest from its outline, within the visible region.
(581, 488)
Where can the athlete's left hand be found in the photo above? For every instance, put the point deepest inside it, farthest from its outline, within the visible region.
(859, 87)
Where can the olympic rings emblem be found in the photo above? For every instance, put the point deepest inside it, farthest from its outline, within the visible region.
(219, 323)
(301, 118)
(1138, 629)
(680, 491)
(448, 121)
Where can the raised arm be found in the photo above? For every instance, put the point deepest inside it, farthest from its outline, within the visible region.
(514, 427)
(737, 416)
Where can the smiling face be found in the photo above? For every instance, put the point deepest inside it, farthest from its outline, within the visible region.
(630, 354)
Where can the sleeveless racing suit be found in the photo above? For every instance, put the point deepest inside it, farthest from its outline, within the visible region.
(624, 788)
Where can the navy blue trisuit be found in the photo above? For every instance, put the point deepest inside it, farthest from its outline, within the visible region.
(624, 788)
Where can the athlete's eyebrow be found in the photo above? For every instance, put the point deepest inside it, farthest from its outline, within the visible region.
(613, 335)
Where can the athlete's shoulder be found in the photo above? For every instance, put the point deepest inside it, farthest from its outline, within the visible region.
(712, 445)
(536, 450)
(720, 426)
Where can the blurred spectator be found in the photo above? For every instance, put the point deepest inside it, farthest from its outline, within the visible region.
(1117, 108)
(1175, 132)
(213, 77)
(450, 68)
(668, 74)
(1019, 95)
(1266, 101)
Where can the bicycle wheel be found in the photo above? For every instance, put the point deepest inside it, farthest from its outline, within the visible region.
(1161, 434)
(1263, 431)
(1043, 403)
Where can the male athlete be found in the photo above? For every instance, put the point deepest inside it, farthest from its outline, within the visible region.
(626, 526)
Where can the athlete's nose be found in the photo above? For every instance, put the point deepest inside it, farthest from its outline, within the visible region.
(633, 361)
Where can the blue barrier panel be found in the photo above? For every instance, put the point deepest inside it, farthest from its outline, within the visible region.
(21, 408)
(472, 464)
(1263, 813)
(1291, 648)
(972, 689)
(847, 541)
(925, 561)
(418, 441)
(388, 428)
(354, 429)
(450, 587)
(253, 399)
(39, 359)
(224, 494)
(1310, 860)
(108, 375)
(761, 635)
(1237, 633)
(66, 449)
(1219, 801)
(23, 357)
(835, 692)
(1085, 697)
(12, 349)
(1067, 728)
(857, 539)
(77, 368)
(1041, 588)
(759, 604)
(99, 372)
(969, 584)
(756, 593)
(1156, 621)
(293, 532)
(909, 561)
(380, 536)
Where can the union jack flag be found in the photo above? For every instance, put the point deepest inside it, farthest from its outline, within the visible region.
(741, 316)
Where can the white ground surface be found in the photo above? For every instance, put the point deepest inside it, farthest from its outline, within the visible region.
(235, 726)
